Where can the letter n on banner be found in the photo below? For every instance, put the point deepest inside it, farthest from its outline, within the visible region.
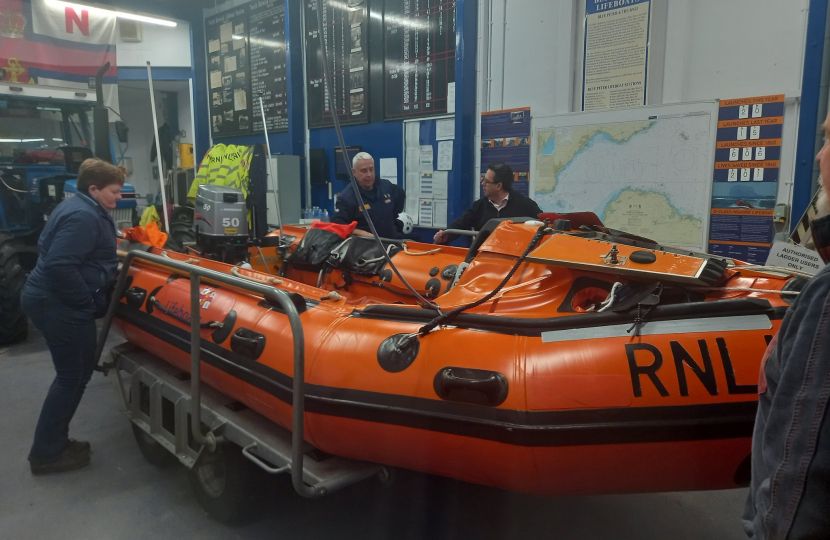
(73, 19)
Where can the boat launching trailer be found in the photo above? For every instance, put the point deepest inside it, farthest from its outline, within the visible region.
(220, 440)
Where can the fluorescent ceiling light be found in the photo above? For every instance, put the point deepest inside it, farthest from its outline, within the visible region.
(32, 140)
(9, 140)
(116, 13)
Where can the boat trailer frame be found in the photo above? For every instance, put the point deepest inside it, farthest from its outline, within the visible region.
(261, 440)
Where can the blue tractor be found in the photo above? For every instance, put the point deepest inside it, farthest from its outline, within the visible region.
(44, 138)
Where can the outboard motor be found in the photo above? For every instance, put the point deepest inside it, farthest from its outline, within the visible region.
(221, 222)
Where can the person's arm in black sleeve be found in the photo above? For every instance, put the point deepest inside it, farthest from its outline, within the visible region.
(345, 212)
(400, 199)
(536, 209)
(75, 239)
(465, 221)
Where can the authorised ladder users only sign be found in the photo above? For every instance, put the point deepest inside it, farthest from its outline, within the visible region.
(787, 255)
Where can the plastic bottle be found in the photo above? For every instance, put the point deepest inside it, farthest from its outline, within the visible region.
(324, 216)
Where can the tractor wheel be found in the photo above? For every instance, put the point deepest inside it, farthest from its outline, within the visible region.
(14, 326)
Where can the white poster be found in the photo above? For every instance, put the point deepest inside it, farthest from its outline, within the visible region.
(411, 208)
(413, 159)
(413, 133)
(389, 168)
(215, 79)
(451, 98)
(413, 183)
(445, 129)
(439, 185)
(439, 214)
(425, 159)
(616, 47)
(444, 155)
(226, 32)
(425, 186)
(425, 212)
(240, 100)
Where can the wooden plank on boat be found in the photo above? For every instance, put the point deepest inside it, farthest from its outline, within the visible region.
(595, 256)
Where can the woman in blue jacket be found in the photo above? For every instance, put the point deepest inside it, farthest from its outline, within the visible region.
(64, 294)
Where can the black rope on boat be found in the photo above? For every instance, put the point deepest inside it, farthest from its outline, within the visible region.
(444, 318)
(640, 318)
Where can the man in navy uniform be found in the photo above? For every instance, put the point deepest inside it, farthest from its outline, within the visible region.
(382, 199)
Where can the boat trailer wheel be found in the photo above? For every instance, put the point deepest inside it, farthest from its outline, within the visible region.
(211, 473)
(228, 486)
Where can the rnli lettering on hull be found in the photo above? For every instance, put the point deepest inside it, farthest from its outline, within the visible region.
(645, 360)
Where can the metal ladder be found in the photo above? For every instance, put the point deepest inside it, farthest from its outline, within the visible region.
(261, 440)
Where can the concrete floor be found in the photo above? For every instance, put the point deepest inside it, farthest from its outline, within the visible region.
(121, 496)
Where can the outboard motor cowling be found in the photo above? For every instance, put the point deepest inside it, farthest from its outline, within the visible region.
(221, 222)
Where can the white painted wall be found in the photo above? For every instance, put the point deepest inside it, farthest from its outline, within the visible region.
(184, 115)
(531, 55)
(163, 46)
(135, 110)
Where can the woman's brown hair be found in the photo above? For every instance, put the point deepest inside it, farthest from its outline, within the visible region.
(98, 173)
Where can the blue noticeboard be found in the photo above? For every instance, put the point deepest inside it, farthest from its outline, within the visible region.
(505, 137)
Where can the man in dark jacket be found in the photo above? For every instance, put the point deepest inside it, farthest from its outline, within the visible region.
(789, 497)
(499, 201)
(383, 201)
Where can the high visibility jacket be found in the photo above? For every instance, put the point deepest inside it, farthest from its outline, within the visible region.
(149, 215)
(224, 165)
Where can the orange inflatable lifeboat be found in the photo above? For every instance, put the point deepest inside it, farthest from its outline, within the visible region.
(554, 359)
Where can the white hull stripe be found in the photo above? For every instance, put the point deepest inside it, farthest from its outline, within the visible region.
(659, 328)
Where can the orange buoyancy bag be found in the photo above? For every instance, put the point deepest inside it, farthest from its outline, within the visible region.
(149, 234)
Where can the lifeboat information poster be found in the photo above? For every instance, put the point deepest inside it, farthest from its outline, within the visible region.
(747, 161)
(615, 53)
(505, 137)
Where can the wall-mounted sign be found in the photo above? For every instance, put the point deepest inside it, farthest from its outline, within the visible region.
(419, 58)
(246, 60)
(745, 190)
(616, 54)
(345, 33)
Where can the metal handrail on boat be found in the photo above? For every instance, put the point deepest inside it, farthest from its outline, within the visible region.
(281, 297)
(461, 232)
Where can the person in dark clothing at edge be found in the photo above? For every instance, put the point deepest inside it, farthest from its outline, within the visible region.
(789, 496)
(499, 201)
(383, 199)
(63, 295)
